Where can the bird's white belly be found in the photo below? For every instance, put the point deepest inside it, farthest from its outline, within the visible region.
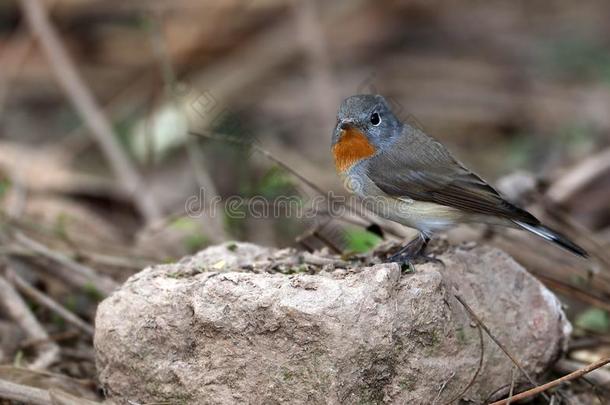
(427, 217)
(424, 216)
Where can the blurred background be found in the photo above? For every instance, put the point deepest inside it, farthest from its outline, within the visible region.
(97, 99)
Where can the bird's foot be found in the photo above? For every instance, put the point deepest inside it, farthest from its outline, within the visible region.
(411, 252)
(407, 262)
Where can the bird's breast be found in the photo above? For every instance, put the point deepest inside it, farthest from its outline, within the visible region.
(352, 147)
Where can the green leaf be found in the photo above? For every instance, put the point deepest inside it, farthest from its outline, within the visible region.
(5, 185)
(195, 242)
(92, 292)
(594, 319)
(276, 182)
(185, 224)
(361, 241)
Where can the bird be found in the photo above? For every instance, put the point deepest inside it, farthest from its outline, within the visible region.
(402, 174)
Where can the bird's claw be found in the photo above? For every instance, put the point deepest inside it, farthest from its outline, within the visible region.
(412, 251)
(406, 261)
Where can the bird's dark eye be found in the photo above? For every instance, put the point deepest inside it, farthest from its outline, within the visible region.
(375, 119)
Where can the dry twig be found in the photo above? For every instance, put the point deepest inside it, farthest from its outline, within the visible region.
(542, 388)
(579, 177)
(599, 377)
(48, 302)
(24, 393)
(58, 337)
(21, 314)
(578, 293)
(84, 102)
(36, 396)
(76, 274)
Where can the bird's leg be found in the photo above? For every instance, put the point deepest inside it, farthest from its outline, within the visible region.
(412, 250)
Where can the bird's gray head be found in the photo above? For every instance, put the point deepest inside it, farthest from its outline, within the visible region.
(371, 115)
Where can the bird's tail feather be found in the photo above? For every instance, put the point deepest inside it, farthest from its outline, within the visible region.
(552, 236)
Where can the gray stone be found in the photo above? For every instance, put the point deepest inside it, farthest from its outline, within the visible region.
(207, 331)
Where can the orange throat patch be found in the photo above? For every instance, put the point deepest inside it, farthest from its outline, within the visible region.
(352, 147)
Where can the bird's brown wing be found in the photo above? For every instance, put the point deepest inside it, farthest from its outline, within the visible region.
(420, 168)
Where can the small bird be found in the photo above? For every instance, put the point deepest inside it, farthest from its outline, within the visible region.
(406, 176)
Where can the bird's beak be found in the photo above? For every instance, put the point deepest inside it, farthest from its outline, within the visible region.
(341, 128)
(344, 125)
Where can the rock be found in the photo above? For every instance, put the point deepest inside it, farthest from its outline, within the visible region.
(212, 329)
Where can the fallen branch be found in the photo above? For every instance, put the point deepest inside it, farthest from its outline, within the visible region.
(84, 102)
(59, 397)
(579, 177)
(48, 302)
(21, 314)
(542, 388)
(578, 293)
(599, 377)
(24, 393)
(78, 274)
(57, 337)
(36, 396)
